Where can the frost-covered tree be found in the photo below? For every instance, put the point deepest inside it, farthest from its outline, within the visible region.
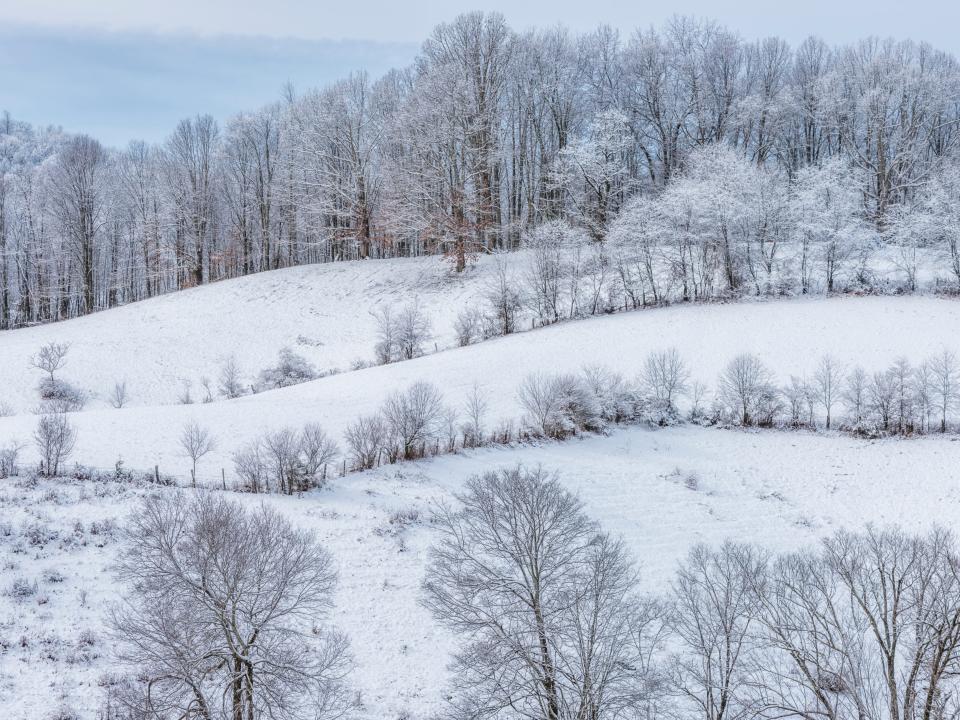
(224, 614)
(544, 606)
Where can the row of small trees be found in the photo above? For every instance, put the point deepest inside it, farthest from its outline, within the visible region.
(552, 622)
(902, 399)
(417, 422)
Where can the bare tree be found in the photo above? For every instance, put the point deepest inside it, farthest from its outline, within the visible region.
(229, 383)
(505, 301)
(222, 618)
(413, 330)
(196, 442)
(871, 624)
(367, 438)
(745, 386)
(855, 395)
(413, 417)
(665, 376)
(51, 358)
(475, 407)
(946, 384)
(118, 396)
(388, 335)
(828, 378)
(715, 609)
(543, 604)
(55, 438)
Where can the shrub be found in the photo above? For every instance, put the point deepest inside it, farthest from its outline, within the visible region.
(559, 405)
(366, 438)
(413, 418)
(22, 589)
(291, 369)
(60, 396)
(469, 326)
(118, 396)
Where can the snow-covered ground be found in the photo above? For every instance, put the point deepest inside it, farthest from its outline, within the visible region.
(790, 336)
(661, 490)
(323, 312)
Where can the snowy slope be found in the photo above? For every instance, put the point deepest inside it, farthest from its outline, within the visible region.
(789, 335)
(661, 490)
(321, 311)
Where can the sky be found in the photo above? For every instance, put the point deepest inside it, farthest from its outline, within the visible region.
(123, 69)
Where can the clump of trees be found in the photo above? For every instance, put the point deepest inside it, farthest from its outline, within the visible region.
(678, 163)
(411, 424)
(286, 461)
(224, 614)
(401, 334)
(551, 623)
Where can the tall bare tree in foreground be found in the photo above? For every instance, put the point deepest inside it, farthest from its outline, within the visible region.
(543, 603)
(223, 615)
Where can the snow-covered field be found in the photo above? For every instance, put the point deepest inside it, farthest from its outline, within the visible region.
(790, 335)
(661, 490)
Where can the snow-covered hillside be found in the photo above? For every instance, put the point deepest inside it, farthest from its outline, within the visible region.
(790, 336)
(323, 312)
(661, 490)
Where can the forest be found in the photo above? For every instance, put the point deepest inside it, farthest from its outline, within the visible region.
(708, 164)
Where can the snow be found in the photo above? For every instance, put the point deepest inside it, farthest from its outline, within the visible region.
(661, 490)
(323, 312)
(790, 336)
(783, 490)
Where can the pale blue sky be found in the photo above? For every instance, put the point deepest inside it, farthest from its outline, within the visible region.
(120, 69)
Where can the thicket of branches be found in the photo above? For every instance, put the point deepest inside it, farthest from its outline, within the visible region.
(686, 150)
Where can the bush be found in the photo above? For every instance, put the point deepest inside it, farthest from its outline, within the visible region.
(469, 326)
(366, 438)
(616, 400)
(559, 405)
(413, 418)
(291, 369)
(60, 396)
(22, 589)
(291, 461)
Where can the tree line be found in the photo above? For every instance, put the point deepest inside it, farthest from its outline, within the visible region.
(490, 134)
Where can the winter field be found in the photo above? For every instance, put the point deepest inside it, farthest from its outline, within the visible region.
(662, 490)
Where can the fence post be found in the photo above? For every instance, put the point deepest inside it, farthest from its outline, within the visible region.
(223, 478)
(156, 474)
